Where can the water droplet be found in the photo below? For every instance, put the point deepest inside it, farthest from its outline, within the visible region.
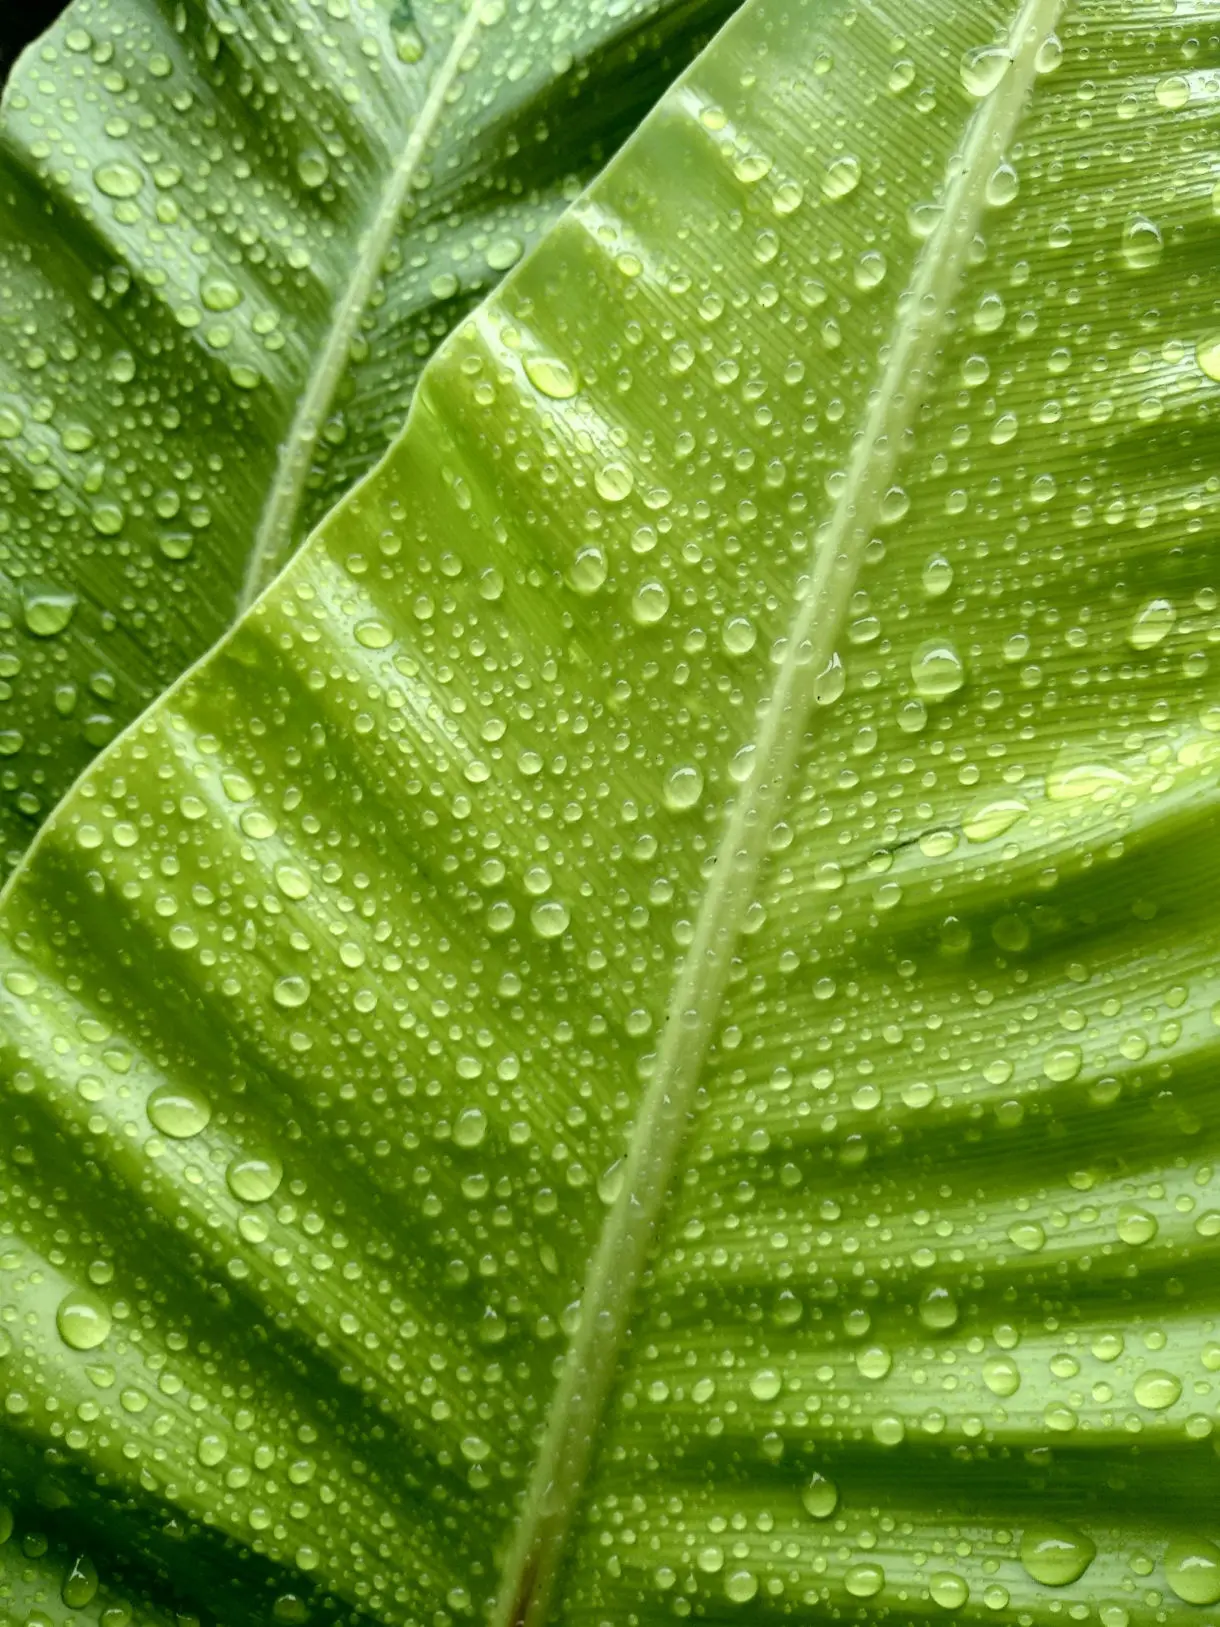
(937, 1308)
(738, 635)
(83, 1320)
(1157, 1389)
(820, 1496)
(863, 1581)
(937, 576)
(948, 1590)
(471, 1124)
(373, 635)
(683, 787)
(937, 669)
(178, 1111)
(1192, 1569)
(830, 682)
(1143, 244)
(253, 1178)
(1173, 91)
(549, 918)
(1056, 1554)
(118, 180)
(741, 1586)
(1152, 623)
(1001, 1375)
(650, 603)
(614, 482)
(1003, 185)
(842, 176)
(588, 571)
(992, 819)
(1136, 1226)
(291, 992)
(80, 1584)
(552, 377)
(1207, 354)
(789, 196)
(293, 883)
(313, 168)
(47, 611)
(982, 67)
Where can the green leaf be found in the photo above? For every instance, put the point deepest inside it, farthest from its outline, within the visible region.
(230, 235)
(638, 1041)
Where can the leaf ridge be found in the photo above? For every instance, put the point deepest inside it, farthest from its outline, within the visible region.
(273, 540)
(566, 1454)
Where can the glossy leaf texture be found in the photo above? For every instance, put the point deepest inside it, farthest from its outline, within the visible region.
(342, 992)
(230, 235)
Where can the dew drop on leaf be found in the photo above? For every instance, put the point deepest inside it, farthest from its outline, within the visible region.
(982, 67)
(1153, 622)
(178, 1111)
(83, 1320)
(842, 176)
(1143, 244)
(937, 669)
(1157, 1389)
(290, 992)
(118, 180)
(47, 611)
(683, 787)
(864, 1581)
(254, 1178)
(948, 1590)
(588, 572)
(471, 1126)
(820, 1496)
(1056, 1555)
(80, 1585)
(552, 377)
(1192, 1569)
(549, 918)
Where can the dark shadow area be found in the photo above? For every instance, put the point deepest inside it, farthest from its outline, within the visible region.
(20, 22)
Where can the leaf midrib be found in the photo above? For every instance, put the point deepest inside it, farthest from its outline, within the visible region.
(908, 363)
(274, 537)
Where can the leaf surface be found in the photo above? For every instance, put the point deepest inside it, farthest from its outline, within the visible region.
(229, 238)
(638, 1041)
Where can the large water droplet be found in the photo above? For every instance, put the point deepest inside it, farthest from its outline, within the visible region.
(937, 669)
(83, 1320)
(178, 1111)
(1056, 1554)
(552, 377)
(1192, 1569)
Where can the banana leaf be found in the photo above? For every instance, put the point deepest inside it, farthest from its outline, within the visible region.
(230, 235)
(639, 1041)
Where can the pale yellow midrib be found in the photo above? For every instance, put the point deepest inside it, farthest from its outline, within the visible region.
(576, 1410)
(274, 537)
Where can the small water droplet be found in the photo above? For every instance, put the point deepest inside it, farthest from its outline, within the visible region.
(1153, 621)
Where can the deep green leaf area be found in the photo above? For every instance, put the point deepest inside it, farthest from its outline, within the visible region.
(218, 284)
(332, 992)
